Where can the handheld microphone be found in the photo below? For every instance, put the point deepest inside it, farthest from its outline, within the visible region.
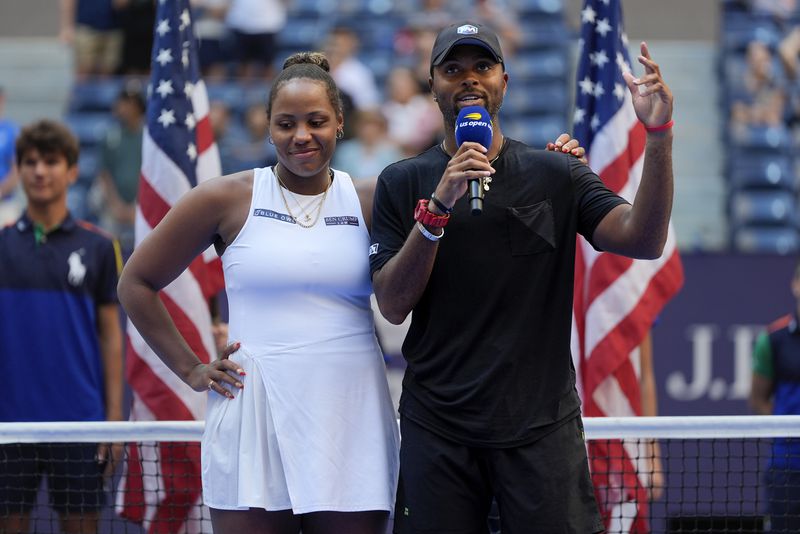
(474, 124)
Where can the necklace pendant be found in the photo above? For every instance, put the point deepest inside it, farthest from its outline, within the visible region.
(308, 217)
(486, 182)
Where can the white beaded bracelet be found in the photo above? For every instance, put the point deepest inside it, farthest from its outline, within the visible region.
(429, 236)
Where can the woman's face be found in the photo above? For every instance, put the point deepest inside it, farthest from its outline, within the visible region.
(303, 128)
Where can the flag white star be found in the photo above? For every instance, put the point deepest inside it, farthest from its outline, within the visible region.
(188, 89)
(595, 122)
(619, 91)
(185, 57)
(624, 38)
(190, 121)
(166, 118)
(588, 15)
(605, 1)
(622, 64)
(163, 27)
(586, 85)
(603, 27)
(598, 90)
(192, 152)
(599, 58)
(185, 19)
(578, 115)
(164, 88)
(164, 56)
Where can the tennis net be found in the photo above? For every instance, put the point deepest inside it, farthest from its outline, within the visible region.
(711, 474)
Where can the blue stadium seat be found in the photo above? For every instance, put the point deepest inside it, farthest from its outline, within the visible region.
(769, 240)
(546, 97)
(757, 170)
(772, 138)
(88, 164)
(538, 33)
(534, 8)
(305, 8)
(763, 207)
(90, 128)
(535, 130)
(94, 95)
(539, 65)
(231, 93)
(303, 33)
(739, 29)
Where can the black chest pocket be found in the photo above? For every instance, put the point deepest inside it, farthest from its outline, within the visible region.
(531, 229)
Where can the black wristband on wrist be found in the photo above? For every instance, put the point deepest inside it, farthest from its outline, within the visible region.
(438, 203)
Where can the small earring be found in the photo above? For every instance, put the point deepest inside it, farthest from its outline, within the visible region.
(339, 134)
(435, 99)
(269, 139)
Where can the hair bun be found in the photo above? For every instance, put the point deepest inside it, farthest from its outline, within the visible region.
(308, 58)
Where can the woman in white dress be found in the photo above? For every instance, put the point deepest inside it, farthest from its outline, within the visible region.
(300, 431)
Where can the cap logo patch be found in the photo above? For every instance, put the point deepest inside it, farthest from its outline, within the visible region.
(467, 29)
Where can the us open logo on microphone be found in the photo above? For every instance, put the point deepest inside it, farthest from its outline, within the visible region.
(474, 121)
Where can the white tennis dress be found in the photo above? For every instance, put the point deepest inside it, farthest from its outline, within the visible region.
(314, 428)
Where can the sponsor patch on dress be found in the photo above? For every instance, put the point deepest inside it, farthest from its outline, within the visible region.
(347, 220)
(260, 212)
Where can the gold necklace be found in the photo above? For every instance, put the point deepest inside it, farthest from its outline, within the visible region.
(486, 180)
(318, 208)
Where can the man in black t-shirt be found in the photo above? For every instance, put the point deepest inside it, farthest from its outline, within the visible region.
(489, 407)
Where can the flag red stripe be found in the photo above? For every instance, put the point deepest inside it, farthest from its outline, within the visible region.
(617, 345)
(154, 393)
(205, 135)
(606, 270)
(133, 502)
(180, 464)
(616, 174)
(186, 326)
(152, 206)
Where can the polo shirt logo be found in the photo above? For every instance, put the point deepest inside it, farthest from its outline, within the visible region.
(77, 270)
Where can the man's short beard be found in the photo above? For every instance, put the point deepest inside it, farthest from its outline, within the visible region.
(449, 112)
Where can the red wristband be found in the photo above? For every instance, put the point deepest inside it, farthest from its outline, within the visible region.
(421, 214)
(661, 128)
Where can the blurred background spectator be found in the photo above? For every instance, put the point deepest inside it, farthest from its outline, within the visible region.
(414, 120)
(350, 73)
(136, 19)
(10, 198)
(92, 28)
(254, 25)
(212, 37)
(365, 155)
(120, 165)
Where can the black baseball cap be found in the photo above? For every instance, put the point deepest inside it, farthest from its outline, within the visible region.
(465, 33)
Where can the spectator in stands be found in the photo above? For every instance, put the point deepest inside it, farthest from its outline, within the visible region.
(254, 25)
(9, 198)
(414, 124)
(137, 20)
(762, 98)
(300, 430)
(248, 147)
(351, 75)
(61, 338)
(121, 164)
(366, 155)
(92, 28)
(212, 37)
(498, 401)
(775, 390)
(497, 14)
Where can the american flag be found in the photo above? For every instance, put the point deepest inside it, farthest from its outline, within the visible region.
(161, 487)
(616, 298)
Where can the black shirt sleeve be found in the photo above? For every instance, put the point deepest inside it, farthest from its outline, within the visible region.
(108, 263)
(594, 199)
(389, 222)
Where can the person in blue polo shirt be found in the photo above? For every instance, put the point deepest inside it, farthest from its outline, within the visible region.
(775, 390)
(61, 350)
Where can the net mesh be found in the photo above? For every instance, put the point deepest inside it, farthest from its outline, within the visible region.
(670, 475)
